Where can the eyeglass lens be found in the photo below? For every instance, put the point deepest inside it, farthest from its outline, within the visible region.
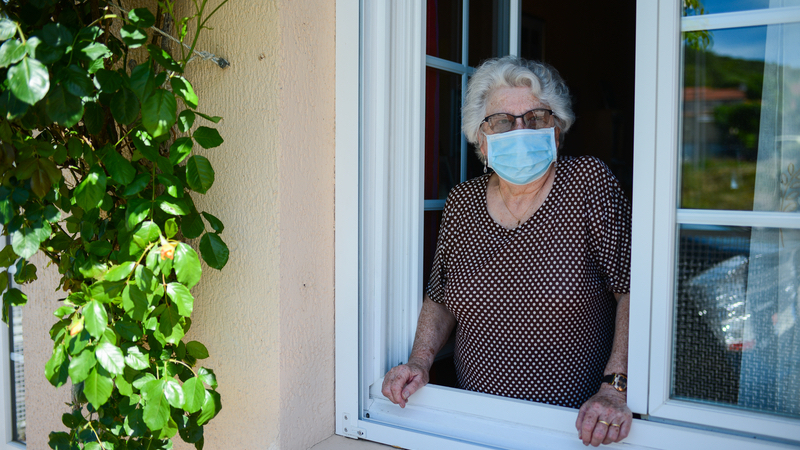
(534, 119)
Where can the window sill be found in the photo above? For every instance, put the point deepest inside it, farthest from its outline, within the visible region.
(342, 443)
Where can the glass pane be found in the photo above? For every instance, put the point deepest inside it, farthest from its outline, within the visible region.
(442, 132)
(17, 375)
(430, 235)
(700, 7)
(741, 100)
(488, 30)
(736, 336)
(444, 29)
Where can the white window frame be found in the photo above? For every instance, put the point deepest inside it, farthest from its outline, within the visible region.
(666, 220)
(6, 414)
(379, 78)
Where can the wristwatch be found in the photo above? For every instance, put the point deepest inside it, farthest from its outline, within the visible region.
(618, 381)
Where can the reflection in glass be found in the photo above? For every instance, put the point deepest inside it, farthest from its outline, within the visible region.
(741, 133)
(736, 336)
(488, 30)
(701, 7)
(442, 132)
(18, 414)
(430, 236)
(444, 29)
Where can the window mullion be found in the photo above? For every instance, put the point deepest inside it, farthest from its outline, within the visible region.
(759, 17)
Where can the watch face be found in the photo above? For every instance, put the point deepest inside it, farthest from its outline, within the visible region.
(620, 383)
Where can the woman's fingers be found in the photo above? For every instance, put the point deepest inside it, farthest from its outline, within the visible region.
(401, 382)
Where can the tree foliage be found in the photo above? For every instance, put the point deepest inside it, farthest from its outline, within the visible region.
(97, 171)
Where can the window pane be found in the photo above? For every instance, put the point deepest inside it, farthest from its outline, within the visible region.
(442, 132)
(488, 30)
(699, 7)
(444, 29)
(741, 100)
(736, 336)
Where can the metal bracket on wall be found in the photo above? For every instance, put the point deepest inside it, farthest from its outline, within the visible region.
(351, 429)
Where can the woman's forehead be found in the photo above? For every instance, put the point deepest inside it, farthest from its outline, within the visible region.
(513, 100)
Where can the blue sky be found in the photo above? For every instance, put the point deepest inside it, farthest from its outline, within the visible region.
(749, 43)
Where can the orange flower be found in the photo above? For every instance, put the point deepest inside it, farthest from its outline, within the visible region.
(75, 327)
(167, 251)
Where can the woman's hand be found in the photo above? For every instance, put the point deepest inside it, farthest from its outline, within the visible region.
(604, 418)
(404, 380)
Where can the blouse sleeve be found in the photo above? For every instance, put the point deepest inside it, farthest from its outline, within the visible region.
(438, 278)
(609, 221)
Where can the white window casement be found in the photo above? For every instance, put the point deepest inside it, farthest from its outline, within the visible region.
(12, 390)
(380, 129)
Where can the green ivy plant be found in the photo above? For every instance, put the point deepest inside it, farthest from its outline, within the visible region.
(97, 171)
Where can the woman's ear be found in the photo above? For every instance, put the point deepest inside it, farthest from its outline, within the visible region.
(482, 144)
(558, 137)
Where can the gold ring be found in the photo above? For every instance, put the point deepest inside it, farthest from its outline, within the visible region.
(604, 422)
(614, 425)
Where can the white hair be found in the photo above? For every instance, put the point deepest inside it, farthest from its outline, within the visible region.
(511, 71)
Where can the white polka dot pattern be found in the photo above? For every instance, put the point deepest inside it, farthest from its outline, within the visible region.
(535, 305)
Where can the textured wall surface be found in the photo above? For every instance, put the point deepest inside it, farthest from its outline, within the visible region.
(267, 318)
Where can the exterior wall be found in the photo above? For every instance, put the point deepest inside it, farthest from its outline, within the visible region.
(267, 317)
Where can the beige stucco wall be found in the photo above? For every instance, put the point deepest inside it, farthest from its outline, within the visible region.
(267, 317)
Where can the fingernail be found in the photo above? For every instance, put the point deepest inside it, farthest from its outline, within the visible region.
(406, 394)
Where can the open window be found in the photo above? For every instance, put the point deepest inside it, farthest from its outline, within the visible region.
(391, 76)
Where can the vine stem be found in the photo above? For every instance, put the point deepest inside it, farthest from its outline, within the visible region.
(97, 436)
(184, 364)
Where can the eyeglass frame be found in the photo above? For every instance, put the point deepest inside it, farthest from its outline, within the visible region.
(521, 116)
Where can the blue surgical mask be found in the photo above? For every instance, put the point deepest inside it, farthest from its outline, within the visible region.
(521, 156)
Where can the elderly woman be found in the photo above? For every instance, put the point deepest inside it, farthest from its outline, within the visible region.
(532, 264)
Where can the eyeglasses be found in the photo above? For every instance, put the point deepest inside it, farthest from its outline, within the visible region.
(532, 120)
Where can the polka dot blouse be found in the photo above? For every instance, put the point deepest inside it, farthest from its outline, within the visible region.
(535, 305)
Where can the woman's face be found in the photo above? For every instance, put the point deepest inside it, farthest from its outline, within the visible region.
(511, 100)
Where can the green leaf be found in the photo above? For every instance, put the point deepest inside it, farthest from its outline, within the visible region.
(15, 297)
(56, 35)
(159, 112)
(208, 377)
(4, 285)
(182, 298)
(77, 81)
(108, 81)
(128, 330)
(137, 185)
(174, 393)
(110, 357)
(211, 407)
(143, 18)
(187, 265)
(120, 169)
(171, 228)
(147, 232)
(171, 205)
(63, 107)
(169, 430)
(125, 106)
(184, 89)
(89, 194)
(214, 251)
(94, 51)
(25, 242)
(99, 248)
(57, 370)
(156, 408)
(96, 318)
(137, 359)
(180, 149)
(134, 424)
(133, 36)
(199, 174)
(11, 52)
(93, 117)
(194, 394)
(141, 81)
(141, 381)
(8, 28)
(106, 291)
(192, 226)
(170, 325)
(197, 349)
(215, 119)
(215, 223)
(81, 365)
(134, 302)
(138, 209)
(29, 80)
(97, 388)
(120, 272)
(163, 58)
(207, 137)
(173, 185)
(185, 120)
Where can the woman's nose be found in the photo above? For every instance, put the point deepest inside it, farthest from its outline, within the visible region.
(518, 123)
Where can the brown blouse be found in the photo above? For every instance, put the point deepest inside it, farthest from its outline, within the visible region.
(535, 305)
